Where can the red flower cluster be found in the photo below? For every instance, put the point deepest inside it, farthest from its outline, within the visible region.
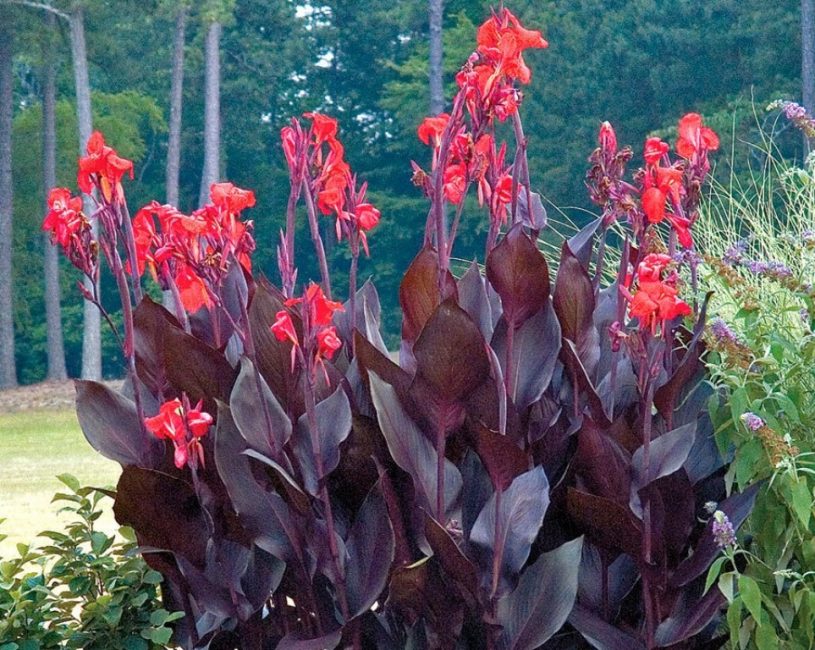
(316, 312)
(333, 181)
(656, 299)
(669, 183)
(196, 247)
(487, 79)
(64, 219)
(103, 168)
(184, 426)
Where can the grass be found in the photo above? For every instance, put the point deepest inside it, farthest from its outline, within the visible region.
(35, 447)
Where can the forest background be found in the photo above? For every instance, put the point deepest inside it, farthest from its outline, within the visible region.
(250, 65)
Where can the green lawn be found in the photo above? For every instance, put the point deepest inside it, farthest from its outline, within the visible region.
(36, 446)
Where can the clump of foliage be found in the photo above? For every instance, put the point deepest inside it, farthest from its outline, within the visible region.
(82, 588)
(760, 264)
(533, 471)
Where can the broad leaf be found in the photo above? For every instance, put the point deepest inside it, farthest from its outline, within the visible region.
(370, 547)
(263, 513)
(582, 244)
(535, 349)
(411, 449)
(602, 463)
(419, 293)
(518, 271)
(610, 524)
(509, 522)
(296, 641)
(573, 301)
(690, 615)
(473, 298)
(534, 218)
(165, 512)
(247, 406)
(333, 416)
(600, 634)
(667, 454)
(450, 353)
(111, 425)
(502, 458)
(542, 601)
(449, 555)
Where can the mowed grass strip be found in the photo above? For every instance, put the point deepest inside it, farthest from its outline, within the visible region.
(36, 446)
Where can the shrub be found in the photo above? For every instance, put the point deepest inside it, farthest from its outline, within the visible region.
(82, 588)
(533, 471)
(760, 263)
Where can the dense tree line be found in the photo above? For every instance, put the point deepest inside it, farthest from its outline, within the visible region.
(194, 92)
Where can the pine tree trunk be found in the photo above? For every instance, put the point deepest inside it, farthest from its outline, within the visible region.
(174, 139)
(212, 117)
(8, 373)
(91, 332)
(176, 97)
(808, 58)
(436, 71)
(53, 317)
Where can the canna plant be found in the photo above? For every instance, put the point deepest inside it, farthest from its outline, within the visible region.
(534, 469)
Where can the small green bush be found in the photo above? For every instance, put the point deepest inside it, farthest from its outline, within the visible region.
(82, 588)
(760, 235)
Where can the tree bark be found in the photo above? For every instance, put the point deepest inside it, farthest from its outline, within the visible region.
(808, 59)
(212, 112)
(53, 317)
(91, 331)
(436, 71)
(8, 372)
(176, 98)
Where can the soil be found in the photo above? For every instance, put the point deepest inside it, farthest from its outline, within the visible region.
(46, 396)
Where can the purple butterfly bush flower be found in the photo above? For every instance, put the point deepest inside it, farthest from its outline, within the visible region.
(721, 331)
(752, 421)
(723, 531)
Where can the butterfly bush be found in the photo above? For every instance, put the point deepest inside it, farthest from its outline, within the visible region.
(529, 472)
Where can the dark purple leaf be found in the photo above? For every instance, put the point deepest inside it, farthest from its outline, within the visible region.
(542, 601)
(246, 405)
(273, 356)
(534, 219)
(502, 458)
(517, 270)
(509, 532)
(419, 293)
(262, 577)
(333, 417)
(372, 359)
(296, 641)
(582, 244)
(165, 512)
(737, 507)
(151, 322)
(535, 350)
(450, 354)
(472, 296)
(476, 491)
(366, 297)
(602, 463)
(666, 397)
(449, 555)
(370, 547)
(602, 635)
(667, 454)
(690, 615)
(263, 513)
(111, 426)
(621, 576)
(411, 449)
(296, 497)
(577, 372)
(573, 300)
(606, 522)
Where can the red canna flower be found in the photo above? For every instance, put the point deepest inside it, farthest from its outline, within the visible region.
(103, 167)
(323, 127)
(431, 128)
(327, 343)
(367, 216)
(608, 138)
(656, 300)
(283, 327)
(64, 216)
(455, 182)
(144, 234)
(322, 310)
(183, 427)
(231, 199)
(654, 150)
(192, 289)
(694, 138)
(502, 39)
